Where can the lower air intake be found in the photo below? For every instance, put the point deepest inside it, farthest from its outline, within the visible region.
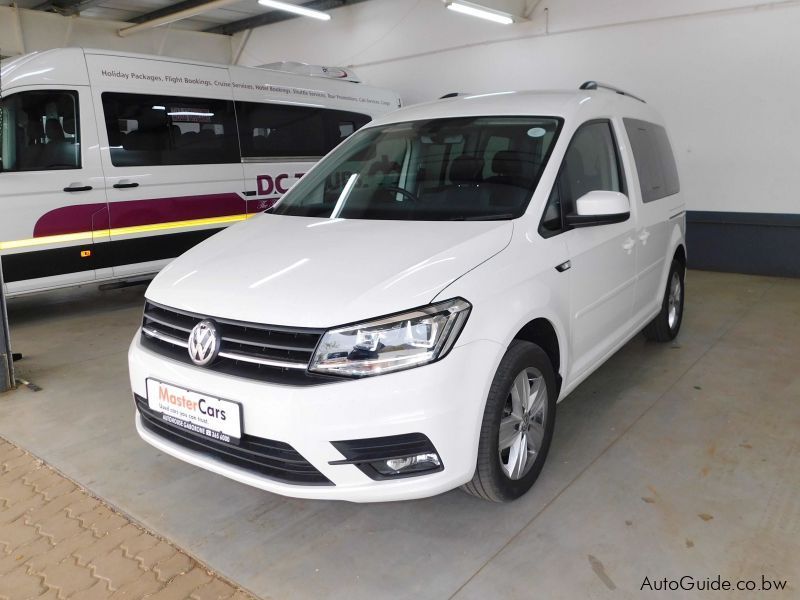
(276, 460)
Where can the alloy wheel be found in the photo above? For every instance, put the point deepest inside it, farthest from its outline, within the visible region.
(674, 301)
(522, 426)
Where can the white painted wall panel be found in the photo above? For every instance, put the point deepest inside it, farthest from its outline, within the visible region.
(722, 74)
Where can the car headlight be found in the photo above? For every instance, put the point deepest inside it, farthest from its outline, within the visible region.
(392, 343)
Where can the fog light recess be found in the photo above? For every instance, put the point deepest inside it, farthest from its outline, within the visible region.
(391, 457)
(408, 464)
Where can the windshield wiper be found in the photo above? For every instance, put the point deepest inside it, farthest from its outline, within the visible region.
(497, 217)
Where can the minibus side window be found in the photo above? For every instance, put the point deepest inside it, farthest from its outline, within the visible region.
(280, 131)
(41, 131)
(150, 130)
(341, 124)
(271, 131)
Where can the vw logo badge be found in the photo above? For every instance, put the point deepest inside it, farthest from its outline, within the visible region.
(204, 343)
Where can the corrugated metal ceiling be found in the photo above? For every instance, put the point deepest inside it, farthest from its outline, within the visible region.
(233, 17)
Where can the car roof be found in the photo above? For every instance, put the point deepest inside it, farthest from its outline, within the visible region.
(566, 104)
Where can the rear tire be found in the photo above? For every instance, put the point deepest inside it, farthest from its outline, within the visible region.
(667, 323)
(508, 467)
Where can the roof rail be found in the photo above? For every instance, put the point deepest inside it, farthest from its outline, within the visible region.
(595, 85)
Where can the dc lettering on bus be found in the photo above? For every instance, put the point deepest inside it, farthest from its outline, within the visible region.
(267, 184)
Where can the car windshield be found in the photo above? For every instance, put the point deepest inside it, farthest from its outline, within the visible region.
(474, 168)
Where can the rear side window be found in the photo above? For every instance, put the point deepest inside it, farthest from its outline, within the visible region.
(40, 131)
(284, 131)
(658, 174)
(148, 130)
(591, 163)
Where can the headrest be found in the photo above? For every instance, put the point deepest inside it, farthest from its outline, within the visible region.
(466, 169)
(69, 125)
(385, 167)
(53, 130)
(509, 163)
(35, 130)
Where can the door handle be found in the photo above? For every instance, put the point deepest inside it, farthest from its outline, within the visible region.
(249, 193)
(77, 188)
(644, 235)
(628, 245)
(564, 266)
(123, 186)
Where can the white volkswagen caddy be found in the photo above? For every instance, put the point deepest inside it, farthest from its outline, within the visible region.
(405, 319)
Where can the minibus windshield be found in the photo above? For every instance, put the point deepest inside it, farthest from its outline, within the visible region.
(466, 168)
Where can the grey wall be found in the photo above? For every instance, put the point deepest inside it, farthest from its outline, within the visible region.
(759, 243)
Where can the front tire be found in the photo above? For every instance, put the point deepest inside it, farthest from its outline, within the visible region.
(517, 427)
(667, 323)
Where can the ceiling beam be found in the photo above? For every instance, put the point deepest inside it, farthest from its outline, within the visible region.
(276, 16)
(167, 10)
(67, 7)
(171, 17)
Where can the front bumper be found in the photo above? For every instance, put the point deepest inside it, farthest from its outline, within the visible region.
(443, 401)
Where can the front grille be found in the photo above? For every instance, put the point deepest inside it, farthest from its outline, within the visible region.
(276, 460)
(264, 352)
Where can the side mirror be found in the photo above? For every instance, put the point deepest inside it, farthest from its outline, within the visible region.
(600, 207)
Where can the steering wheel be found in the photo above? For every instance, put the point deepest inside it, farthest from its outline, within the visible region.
(405, 193)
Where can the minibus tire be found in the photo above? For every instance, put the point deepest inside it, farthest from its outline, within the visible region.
(659, 329)
(490, 481)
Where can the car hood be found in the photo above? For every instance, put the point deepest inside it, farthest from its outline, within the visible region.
(308, 272)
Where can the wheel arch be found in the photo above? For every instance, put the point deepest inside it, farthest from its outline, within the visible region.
(676, 250)
(542, 332)
(680, 254)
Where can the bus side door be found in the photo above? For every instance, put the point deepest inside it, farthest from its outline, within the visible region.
(52, 189)
(174, 175)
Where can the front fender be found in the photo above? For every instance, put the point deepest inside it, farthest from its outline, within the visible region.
(512, 289)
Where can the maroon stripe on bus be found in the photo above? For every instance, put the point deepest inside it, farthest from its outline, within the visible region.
(88, 217)
(72, 219)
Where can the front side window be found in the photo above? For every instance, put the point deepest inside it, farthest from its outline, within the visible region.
(40, 131)
(591, 163)
(150, 130)
(432, 170)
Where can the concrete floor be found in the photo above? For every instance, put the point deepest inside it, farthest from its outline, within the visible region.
(671, 460)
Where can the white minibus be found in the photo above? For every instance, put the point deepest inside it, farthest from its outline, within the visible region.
(114, 163)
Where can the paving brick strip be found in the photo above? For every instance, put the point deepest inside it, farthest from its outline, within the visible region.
(57, 541)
